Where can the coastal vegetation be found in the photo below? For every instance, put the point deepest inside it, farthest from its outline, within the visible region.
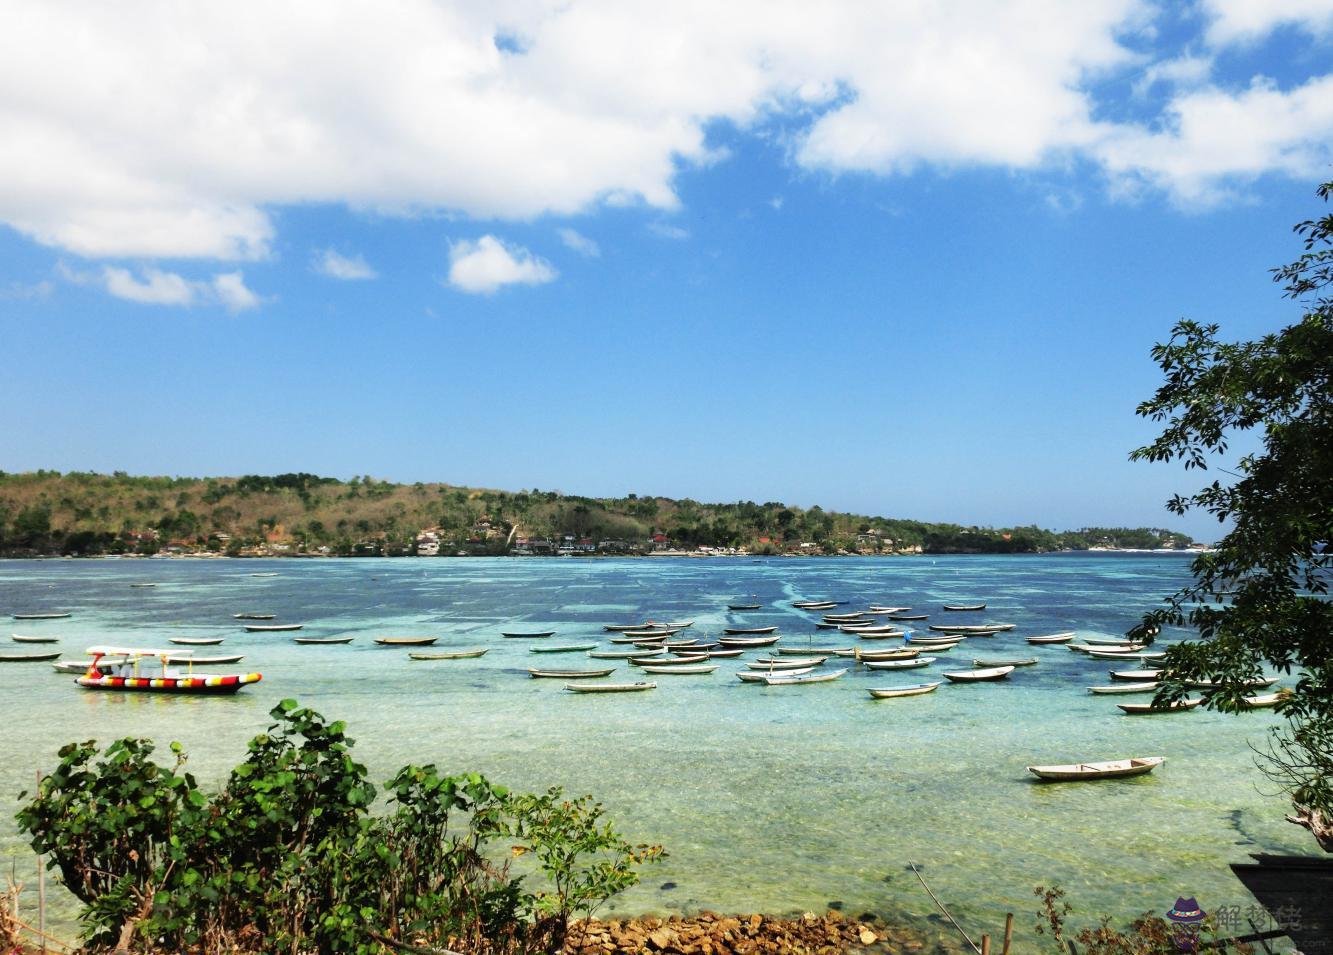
(289, 857)
(83, 513)
(1261, 599)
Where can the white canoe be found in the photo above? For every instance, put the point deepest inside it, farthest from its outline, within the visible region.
(794, 663)
(58, 615)
(195, 641)
(1125, 688)
(1135, 676)
(626, 654)
(1257, 684)
(1110, 769)
(450, 654)
(569, 674)
(693, 668)
(1016, 662)
(272, 627)
(889, 692)
(25, 638)
(609, 687)
(784, 679)
(1065, 637)
(758, 676)
(1139, 709)
(902, 653)
(734, 642)
(667, 662)
(812, 651)
(1263, 701)
(910, 664)
(1127, 655)
(977, 676)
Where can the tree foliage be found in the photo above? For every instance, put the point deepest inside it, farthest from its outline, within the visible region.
(1261, 599)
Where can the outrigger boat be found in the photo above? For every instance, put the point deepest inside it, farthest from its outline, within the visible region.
(759, 676)
(980, 628)
(1118, 688)
(909, 664)
(978, 676)
(814, 604)
(907, 616)
(610, 687)
(1015, 662)
(123, 672)
(786, 679)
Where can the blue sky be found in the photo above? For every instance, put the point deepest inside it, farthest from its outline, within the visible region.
(906, 261)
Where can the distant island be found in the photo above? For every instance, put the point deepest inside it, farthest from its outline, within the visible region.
(81, 514)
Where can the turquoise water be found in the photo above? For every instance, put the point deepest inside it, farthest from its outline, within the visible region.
(768, 799)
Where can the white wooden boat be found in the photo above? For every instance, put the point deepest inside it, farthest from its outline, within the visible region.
(185, 656)
(814, 604)
(1135, 676)
(933, 646)
(1116, 688)
(978, 628)
(1264, 700)
(622, 627)
(677, 624)
(758, 676)
(195, 641)
(80, 666)
(1015, 662)
(655, 633)
(253, 616)
(897, 664)
(1065, 637)
(51, 615)
(1139, 709)
(450, 654)
(791, 663)
(569, 674)
(1104, 647)
(957, 608)
(304, 641)
(812, 651)
(638, 654)
(665, 661)
(1108, 641)
(527, 634)
(628, 638)
(25, 638)
(743, 642)
(881, 609)
(406, 641)
(142, 585)
(1256, 684)
(271, 573)
(1110, 769)
(1126, 655)
(610, 687)
(845, 617)
(748, 631)
(693, 669)
(29, 657)
(786, 679)
(904, 617)
(891, 692)
(978, 676)
(272, 627)
(897, 653)
(564, 648)
(874, 633)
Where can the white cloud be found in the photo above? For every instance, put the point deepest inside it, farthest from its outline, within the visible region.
(1242, 21)
(347, 268)
(156, 287)
(145, 130)
(665, 230)
(14, 291)
(1183, 71)
(487, 264)
(580, 243)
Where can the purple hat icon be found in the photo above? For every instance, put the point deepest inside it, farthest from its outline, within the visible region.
(1186, 911)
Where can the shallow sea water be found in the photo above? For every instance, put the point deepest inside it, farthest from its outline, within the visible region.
(768, 799)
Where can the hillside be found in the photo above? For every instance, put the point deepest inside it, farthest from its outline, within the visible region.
(80, 513)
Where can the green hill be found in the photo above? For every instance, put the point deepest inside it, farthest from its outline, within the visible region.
(45, 512)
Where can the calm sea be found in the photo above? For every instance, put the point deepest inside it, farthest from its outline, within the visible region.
(768, 799)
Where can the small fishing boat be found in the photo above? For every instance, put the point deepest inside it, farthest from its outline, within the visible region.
(814, 604)
(628, 638)
(1122, 653)
(673, 646)
(272, 627)
(691, 670)
(878, 609)
(570, 674)
(1109, 641)
(1065, 637)
(527, 635)
(745, 642)
(1135, 676)
(1256, 684)
(665, 661)
(143, 585)
(748, 631)
(195, 641)
(270, 573)
(1104, 648)
(898, 653)
(907, 616)
(759, 676)
(185, 656)
(1141, 709)
(29, 657)
(828, 626)
(609, 687)
(318, 641)
(657, 633)
(1148, 687)
(625, 654)
(786, 679)
(119, 668)
(1263, 701)
(53, 615)
(622, 627)
(675, 624)
(253, 616)
(811, 651)
(1110, 769)
(1015, 662)
(890, 692)
(564, 648)
(879, 630)
(743, 606)
(845, 617)
(929, 646)
(24, 638)
(972, 628)
(785, 663)
(910, 664)
(79, 667)
(450, 654)
(959, 608)
(978, 676)
(926, 641)
(406, 641)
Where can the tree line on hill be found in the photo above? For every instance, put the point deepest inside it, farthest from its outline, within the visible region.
(81, 513)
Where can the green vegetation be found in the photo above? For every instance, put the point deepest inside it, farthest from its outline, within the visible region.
(1261, 600)
(287, 857)
(80, 513)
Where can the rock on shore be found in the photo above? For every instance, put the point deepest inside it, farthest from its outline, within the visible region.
(709, 933)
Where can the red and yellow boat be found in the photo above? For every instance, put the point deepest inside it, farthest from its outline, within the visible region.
(120, 668)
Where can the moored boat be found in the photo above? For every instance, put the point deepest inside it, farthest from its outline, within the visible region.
(971, 628)
(1138, 709)
(814, 604)
(786, 679)
(957, 608)
(119, 668)
(910, 664)
(48, 615)
(625, 654)
(1015, 662)
(1256, 684)
(25, 638)
(195, 641)
(743, 642)
(29, 657)
(610, 687)
(406, 641)
(978, 676)
(187, 656)
(1117, 688)
(253, 616)
(537, 674)
(272, 627)
(450, 654)
(1135, 676)
(1264, 700)
(748, 631)
(907, 616)
(665, 661)
(743, 606)
(527, 635)
(810, 650)
(758, 676)
(695, 669)
(305, 641)
(1109, 769)
(564, 648)
(1065, 637)
(784, 663)
(890, 692)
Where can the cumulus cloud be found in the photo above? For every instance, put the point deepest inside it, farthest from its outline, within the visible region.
(145, 130)
(580, 243)
(156, 287)
(488, 264)
(347, 268)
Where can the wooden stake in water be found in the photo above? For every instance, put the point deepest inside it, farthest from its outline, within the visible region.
(1008, 933)
(41, 888)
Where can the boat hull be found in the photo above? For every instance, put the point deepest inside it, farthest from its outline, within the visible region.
(197, 686)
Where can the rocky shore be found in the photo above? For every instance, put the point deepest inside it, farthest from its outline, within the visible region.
(709, 933)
